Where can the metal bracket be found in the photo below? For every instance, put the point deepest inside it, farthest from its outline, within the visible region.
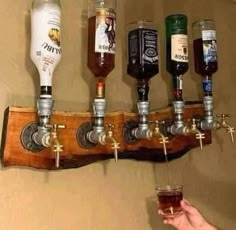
(81, 135)
(27, 140)
(127, 132)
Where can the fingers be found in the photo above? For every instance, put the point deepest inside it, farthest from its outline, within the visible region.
(187, 207)
(186, 201)
(168, 221)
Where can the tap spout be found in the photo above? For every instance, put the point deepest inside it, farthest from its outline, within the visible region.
(108, 138)
(162, 138)
(54, 142)
(224, 124)
(198, 134)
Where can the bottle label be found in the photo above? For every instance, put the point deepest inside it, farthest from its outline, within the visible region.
(209, 46)
(150, 51)
(207, 85)
(143, 46)
(46, 40)
(105, 31)
(179, 47)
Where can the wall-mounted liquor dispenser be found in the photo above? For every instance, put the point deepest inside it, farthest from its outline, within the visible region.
(49, 139)
(45, 54)
(206, 64)
(74, 155)
(143, 65)
(101, 61)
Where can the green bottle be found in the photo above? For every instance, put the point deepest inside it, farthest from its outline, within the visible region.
(177, 50)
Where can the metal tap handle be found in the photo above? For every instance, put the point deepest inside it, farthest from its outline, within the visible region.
(162, 138)
(57, 149)
(54, 127)
(115, 145)
(110, 127)
(56, 146)
(231, 131)
(223, 116)
(198, 134)
(224, 124)
(194, 123)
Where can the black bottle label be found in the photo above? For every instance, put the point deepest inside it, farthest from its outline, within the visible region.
(142, 47)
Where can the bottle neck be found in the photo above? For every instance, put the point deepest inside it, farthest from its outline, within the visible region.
(178, 87)
(207, 85)
(143, 90)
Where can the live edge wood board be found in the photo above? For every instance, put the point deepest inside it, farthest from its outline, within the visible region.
(16, 118)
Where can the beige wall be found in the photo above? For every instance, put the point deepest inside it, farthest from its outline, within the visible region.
(106, 195)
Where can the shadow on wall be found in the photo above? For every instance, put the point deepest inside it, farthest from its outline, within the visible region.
(213, 194)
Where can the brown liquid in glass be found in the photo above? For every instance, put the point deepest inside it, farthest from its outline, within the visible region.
(170, 202)
(101, 64)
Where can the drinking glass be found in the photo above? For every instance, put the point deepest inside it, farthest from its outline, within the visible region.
(169, 197)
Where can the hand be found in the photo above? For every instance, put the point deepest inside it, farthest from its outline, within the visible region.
(189, 219)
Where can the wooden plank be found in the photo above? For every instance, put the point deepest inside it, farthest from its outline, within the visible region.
(16, 118)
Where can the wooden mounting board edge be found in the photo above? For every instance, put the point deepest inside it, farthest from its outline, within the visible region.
(16, 118)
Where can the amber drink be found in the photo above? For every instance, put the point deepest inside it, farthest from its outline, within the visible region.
(169, 197)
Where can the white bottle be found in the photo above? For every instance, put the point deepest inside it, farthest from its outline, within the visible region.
(45, 38)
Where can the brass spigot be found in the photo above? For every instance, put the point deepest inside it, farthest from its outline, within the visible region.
(198, 134)
(224, 124)
(107, 137)
(54, 142)
(162, 138)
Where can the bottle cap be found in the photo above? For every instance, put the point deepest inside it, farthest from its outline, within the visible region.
(176, 23)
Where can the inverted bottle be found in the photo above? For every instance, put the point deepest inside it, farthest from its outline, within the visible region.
(206, 64)
(46, 41)
(101, 37)
(142, 65)
(205, 52)
(101, 61)
(177, 51)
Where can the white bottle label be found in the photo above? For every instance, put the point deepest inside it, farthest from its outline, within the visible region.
(105, 31)
(179, 47)
(208, 35)
(46, 40)
(209, 46)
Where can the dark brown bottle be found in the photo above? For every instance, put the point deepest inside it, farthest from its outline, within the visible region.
(142, 51)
